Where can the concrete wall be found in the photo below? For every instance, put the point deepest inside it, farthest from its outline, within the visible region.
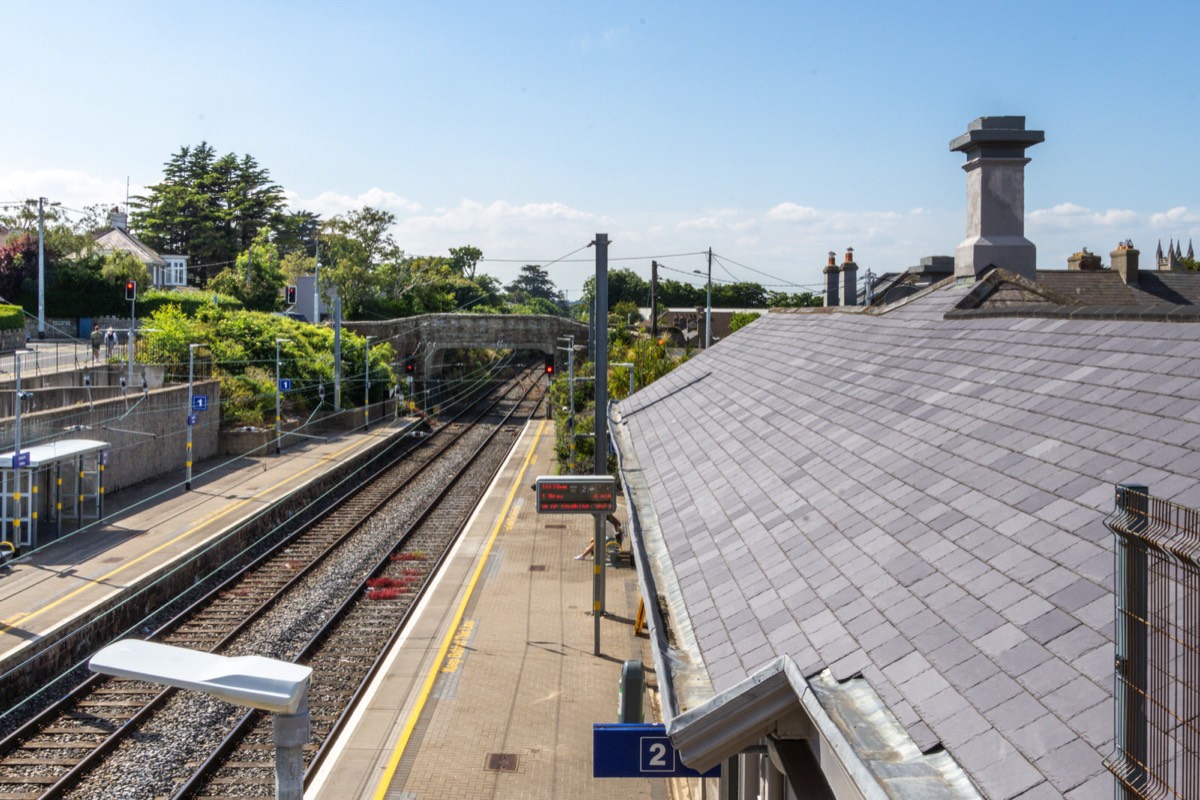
(148, 433)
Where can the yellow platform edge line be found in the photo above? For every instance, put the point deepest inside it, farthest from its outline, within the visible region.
(411, 723)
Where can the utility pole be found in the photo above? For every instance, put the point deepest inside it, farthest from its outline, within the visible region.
(600, 442)
(278, 392)
(654, 300)
(41, 324)
(337, 353)
(708, 306)
(316, 282)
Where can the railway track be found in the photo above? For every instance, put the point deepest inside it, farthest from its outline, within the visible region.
(333, 596)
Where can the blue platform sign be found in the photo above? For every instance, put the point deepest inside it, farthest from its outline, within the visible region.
(193, 419)
(638, 751)
(20, 460)
(199, 402)
(285, 384)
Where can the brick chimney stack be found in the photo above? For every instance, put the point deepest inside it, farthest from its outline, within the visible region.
(1084, 260)
(849, 279)
(1125, 262)
(831, 280)
(995, 150)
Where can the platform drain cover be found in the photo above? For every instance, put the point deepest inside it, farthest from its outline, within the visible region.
(537, 567)
(556, 527)
(502, 762)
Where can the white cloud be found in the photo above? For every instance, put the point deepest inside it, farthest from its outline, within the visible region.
(791, 212)
(1070, 215)
(1173, 217)
(329, 204)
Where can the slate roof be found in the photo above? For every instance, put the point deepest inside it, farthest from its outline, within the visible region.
(918, 500)
(114, 239)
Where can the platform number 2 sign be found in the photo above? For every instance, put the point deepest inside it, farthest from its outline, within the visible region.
(657, 754)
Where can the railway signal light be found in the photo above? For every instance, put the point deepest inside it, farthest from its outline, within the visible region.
(549, 365)
(131, 290)
(291, 295)
(410, 366)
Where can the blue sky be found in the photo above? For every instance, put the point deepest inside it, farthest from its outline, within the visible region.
(772, 132)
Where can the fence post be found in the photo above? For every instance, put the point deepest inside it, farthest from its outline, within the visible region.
(1133, 501)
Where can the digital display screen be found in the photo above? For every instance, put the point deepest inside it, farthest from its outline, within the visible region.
(576, 494)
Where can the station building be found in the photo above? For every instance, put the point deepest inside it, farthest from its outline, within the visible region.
(873, 539)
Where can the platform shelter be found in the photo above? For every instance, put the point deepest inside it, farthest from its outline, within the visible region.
(31, 487)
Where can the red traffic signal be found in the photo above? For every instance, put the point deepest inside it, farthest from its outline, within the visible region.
(131, 290)
(549, 365)
(410, 365)
(291, 295)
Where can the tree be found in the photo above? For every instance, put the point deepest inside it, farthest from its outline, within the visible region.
(355, 247)
(18, 260)
(741, 319)
(121, 266)
(209, 207)
(464, 260)
(256, 277)
(799, 300)
(534, 282)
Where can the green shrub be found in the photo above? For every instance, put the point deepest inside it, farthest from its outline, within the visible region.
(11, 318)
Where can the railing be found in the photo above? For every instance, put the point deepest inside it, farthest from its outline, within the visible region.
(1157, 681)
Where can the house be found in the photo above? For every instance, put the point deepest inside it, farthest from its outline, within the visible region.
(876, 562)
(167, 270)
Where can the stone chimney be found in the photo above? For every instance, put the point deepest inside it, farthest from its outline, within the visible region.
(995, 150)
(831, 280)
(117, 218)
(1084, 260)
(1125, 262)
(849, 279)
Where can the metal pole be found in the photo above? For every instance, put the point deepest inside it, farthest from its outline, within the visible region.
(278, 392)
(654, 300)
(571, 385)
(41, 268)
(17, 407)
(191, 394)
(367, 386)
(316, 281)
(600, 443)
(337, 353)
(291, 732)
(132, 324)
(708, 306)
(1132, 609)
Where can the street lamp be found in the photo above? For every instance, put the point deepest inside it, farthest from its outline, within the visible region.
(278, 391)
(280, 687)
(367, 386)
(707, 308)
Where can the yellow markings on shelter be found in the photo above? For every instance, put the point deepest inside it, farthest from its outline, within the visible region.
(458, 648)
(381, 790)
(7, 623)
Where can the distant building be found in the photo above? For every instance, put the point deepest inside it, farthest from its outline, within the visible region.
(167, 270)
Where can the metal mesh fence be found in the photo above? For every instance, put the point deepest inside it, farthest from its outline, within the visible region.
(1157, 633)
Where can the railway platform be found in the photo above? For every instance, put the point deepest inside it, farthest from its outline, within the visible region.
(149, 528)
(493, 691)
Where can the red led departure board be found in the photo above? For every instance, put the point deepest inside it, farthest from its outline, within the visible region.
(576, 494)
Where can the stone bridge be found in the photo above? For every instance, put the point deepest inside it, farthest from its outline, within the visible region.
(429, 336)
